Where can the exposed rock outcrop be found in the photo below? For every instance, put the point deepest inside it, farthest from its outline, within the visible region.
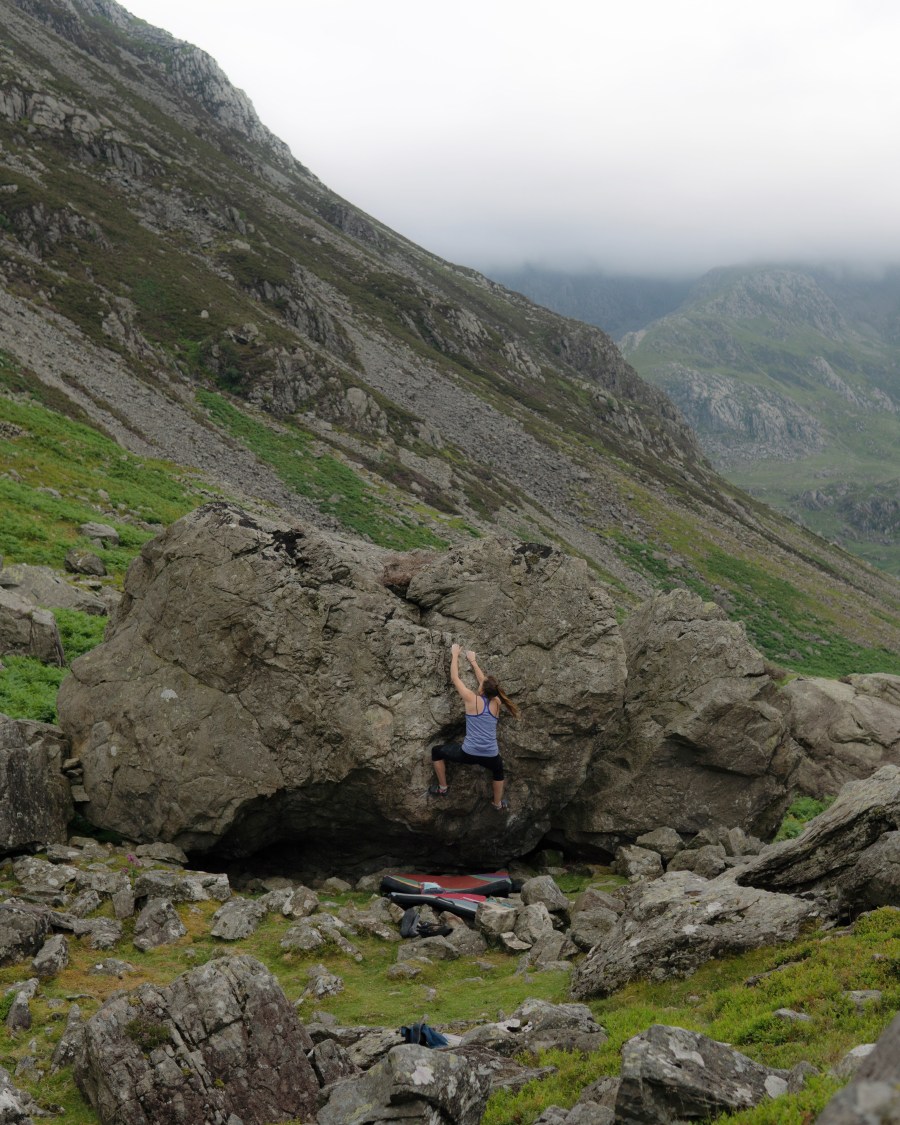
(702, 718)
(26, 630)
(260, 684)
(850, 852)
(673, 925)
(847, 728)
(222, 1039)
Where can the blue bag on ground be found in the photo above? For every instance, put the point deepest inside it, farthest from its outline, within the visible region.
(423, 1035)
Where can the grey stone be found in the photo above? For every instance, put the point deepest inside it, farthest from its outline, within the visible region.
(52, 957)
(168, 853)
(862, 998)
(18, 1106)
(544, 889)
(322, 982)
(533, 923)
(194, 886)
(43, 586)
(702, 717)
(493, 919)
(665, 841)
(35, 801)
(676, 923)
(303, 937)
(80, 561)
(410, 1084)
(157, 924)
(331, 1062)
(23, 930)
(105, 532)
(669, 1075)
(69, 1042)
(236, 919)
(849, 1063)
(26, 630)
(594, 898)
(851, 851)
(847, 728)
(589, 927)
(637, 863)
(708, 861)
(220, 1040)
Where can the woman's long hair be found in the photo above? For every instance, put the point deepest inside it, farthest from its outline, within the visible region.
(491, 688)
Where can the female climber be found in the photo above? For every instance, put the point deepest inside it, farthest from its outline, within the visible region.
(479, 747)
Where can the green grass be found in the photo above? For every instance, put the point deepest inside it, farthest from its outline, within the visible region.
(28, 688)
(336, 488)
(799, 814)
(80, 464)
(719, 1002)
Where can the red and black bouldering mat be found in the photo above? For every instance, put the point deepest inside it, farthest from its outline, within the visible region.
(465, 906)
(494, 883)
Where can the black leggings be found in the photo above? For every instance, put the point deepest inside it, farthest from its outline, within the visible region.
(453, 752)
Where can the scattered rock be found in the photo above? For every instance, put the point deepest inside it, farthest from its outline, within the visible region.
(52, 957)
(157, 924)
(236, 919)
(415, 1082)
(669, 1074)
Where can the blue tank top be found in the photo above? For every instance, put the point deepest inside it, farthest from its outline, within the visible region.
(481, 733)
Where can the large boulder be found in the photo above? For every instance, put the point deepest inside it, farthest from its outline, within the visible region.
(35, 798)
(847, 729)
(850, 852)
(673, 1075)
(675, 924)
(705, 738)
(262, 684)
(221, 1039)
(26, 630)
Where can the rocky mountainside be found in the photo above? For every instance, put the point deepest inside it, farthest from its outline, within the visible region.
(791, 380)
(173, 278)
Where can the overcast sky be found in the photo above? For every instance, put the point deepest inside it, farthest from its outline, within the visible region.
(647, 136)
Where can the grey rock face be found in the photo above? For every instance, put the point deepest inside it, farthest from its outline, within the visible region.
(26, 630)
(221, 1039)
(35, 800)
(673, 925)
(701, 717)
(669, 1075)
(241, 678)
(873, 1095)
(847, 729)
(411, 1084)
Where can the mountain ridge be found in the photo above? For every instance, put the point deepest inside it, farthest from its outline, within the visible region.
(205, 299)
